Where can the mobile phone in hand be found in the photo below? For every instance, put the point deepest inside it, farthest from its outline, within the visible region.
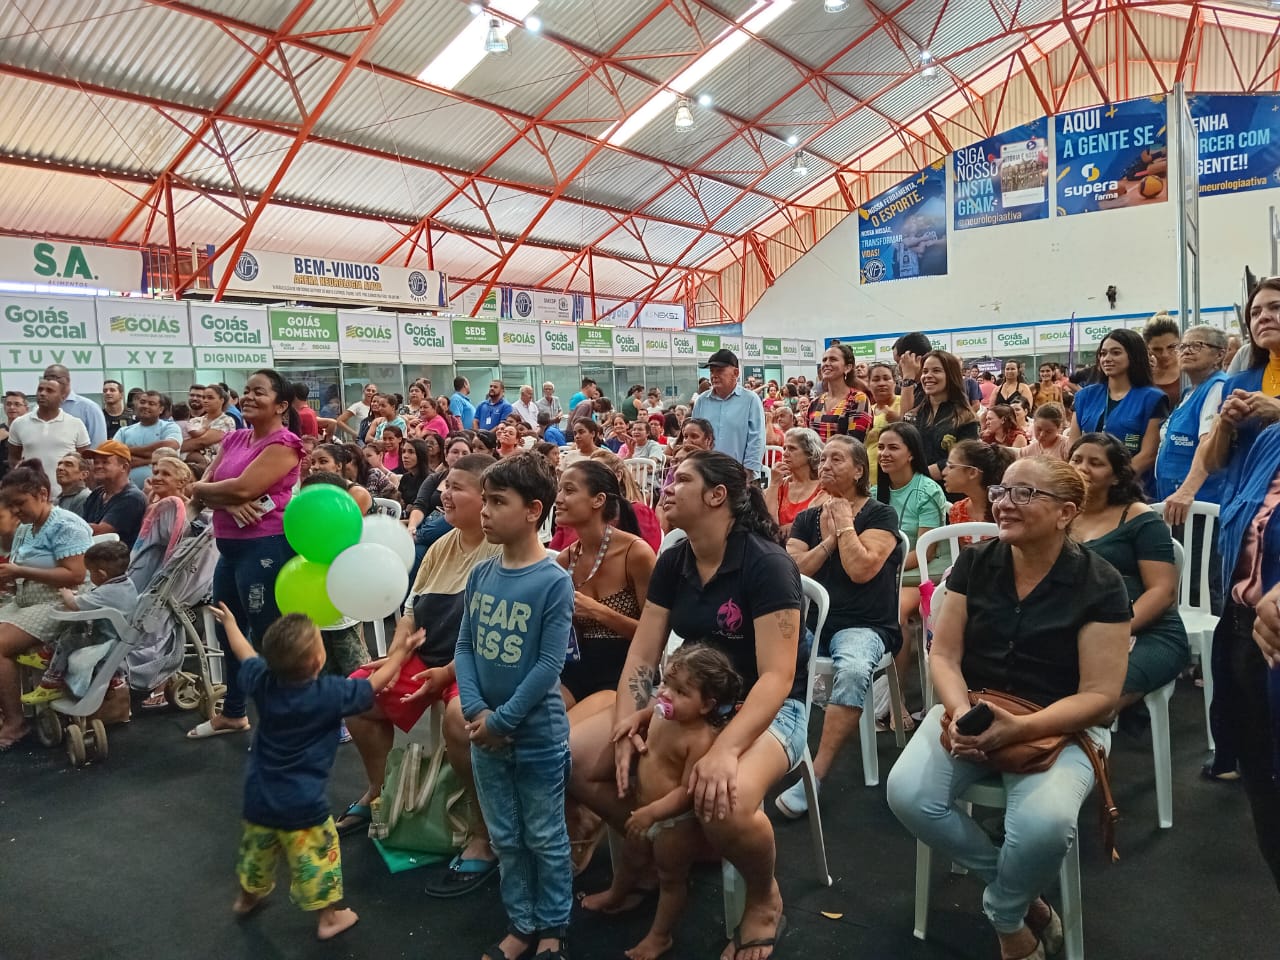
(976, 720)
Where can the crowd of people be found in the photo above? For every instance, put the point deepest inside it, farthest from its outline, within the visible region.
(562, 717)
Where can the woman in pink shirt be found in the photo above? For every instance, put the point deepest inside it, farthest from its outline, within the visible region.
(248, 485)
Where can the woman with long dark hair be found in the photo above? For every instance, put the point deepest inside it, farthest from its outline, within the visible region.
(415, 461)
(1117, 525)
(256, 463)
(921, 506)
(842, 407)
(732, 586)
(943, 415)
(1124, 404)
(610, 565)
(1013, 390)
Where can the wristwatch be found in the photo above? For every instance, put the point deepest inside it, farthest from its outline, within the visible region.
(910, 383)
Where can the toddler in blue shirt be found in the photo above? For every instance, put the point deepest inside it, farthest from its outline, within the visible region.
(517, 612)
(285, 807)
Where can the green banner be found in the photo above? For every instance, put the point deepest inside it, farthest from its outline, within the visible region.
(864, 350)
(708, 343)
(475, 338)
(595, 341)
(772, 347)
(303, 332)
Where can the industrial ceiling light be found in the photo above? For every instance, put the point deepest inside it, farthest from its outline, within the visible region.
(494, 41)
(800, 164)
(704, 100)
(928, 66)
(834, 6)
(684, 116)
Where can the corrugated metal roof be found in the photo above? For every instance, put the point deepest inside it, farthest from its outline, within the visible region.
(113, 43)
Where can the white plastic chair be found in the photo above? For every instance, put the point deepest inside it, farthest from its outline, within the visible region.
(647, 474)
(991, 793)
(1157, 702)
(825, 668)
(390, 508)
(671, 538)
(772, 455)
(951, 533)
(1198, 618)
(735, 891)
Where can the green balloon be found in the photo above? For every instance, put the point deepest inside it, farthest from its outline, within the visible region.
(300, 588)
(322, 521)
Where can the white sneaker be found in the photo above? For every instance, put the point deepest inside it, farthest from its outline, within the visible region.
(793, 802)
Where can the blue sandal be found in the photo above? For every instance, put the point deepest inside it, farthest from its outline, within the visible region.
(360, 815)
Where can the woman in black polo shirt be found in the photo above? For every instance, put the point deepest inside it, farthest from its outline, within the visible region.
(1035, 615)
(729, 585)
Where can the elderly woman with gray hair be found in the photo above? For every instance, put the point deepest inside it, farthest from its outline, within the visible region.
(793, 481)
(849, 544)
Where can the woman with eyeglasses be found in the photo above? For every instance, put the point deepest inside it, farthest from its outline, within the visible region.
(1124, 404)
(1118, 526)
(1035, 615)
(972, 468)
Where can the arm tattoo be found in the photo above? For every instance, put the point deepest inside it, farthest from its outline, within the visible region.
(789, 623)
(641, 686)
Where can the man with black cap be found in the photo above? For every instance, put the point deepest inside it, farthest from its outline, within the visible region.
(736, 414)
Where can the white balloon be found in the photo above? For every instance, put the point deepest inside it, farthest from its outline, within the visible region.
(379, 528)
(367, 581)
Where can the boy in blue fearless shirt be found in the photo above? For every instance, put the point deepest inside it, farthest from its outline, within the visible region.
(517, 613)
(285, 808)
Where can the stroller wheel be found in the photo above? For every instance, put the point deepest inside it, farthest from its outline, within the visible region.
(75, 745)
(183, 692)
(99, 731)
(48, 728)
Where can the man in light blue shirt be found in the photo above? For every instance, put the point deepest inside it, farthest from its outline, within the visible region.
(84, 409)
(736, 414)
(460, 404)
(148, 435)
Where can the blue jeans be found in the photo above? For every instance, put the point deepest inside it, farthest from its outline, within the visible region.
(855, 651)
(1039, 821)
(245, 580)
(521, 789)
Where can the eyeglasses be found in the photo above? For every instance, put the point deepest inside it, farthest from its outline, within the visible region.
(1195, 346)
(1019, 494)
(952, 466)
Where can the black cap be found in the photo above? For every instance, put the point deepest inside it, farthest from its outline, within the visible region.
(723, 358)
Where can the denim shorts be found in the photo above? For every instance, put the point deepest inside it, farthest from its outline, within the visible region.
(791, 730)
(855, 652)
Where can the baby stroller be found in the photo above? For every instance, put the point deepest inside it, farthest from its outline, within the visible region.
(154, 640)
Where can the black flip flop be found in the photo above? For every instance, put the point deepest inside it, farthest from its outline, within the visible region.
(772, 942)
(461, 877)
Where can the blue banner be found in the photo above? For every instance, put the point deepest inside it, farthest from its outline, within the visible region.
(1112, 156)
(1239, 139)
(903, 232)
(1004, 179)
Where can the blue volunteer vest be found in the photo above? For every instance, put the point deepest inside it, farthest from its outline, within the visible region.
(1129, 418)
(1178, 449)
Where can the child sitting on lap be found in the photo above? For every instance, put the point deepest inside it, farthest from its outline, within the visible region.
(517, 611)
(285, 807)
(106, 563)
(698, 694)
